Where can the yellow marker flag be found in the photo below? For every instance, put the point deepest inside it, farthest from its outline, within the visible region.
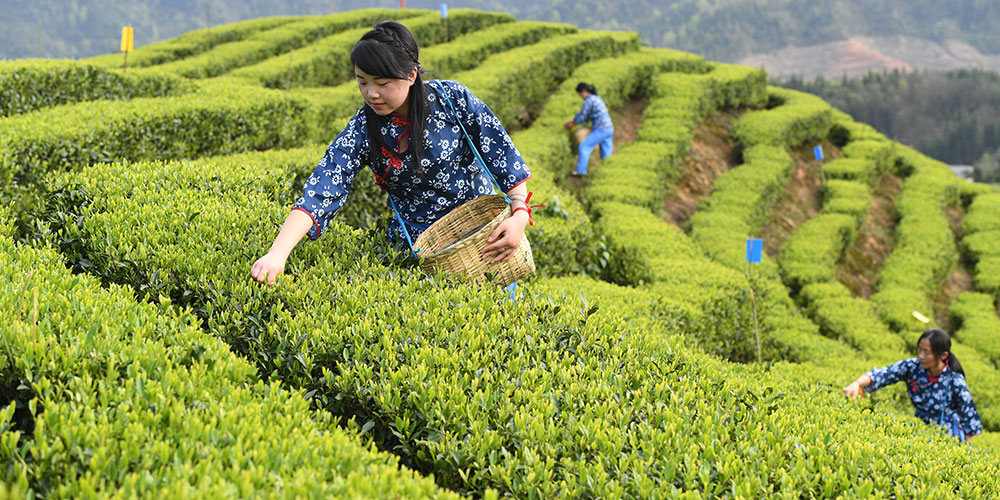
(920, 317)
(126, 39)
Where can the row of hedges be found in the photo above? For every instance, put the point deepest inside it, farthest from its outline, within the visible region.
(925, 251)
(626, 196)
(924, 254)
(536, 400)
(221, 117)
(640, 173)
(520, 80)
(103, 397)
(564, 228)
(190, 43)
(974, 316)
(740, 204)
(282, 39)
(327, 62)
(553, 235)
(981, 226)
(35, 84)
(796, 118)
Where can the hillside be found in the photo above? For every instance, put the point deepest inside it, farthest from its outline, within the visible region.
(139, 359)
(724, 30)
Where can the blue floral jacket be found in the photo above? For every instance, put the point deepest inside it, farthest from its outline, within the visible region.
(451, 174)
(594, 110)
(947, 392)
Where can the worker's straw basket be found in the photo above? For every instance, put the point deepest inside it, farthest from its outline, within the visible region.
(579, 134)
(454, 243)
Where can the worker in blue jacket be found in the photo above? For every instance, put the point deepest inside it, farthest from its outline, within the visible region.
(935, 382)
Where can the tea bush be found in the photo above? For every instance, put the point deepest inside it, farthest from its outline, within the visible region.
(101, 396)
(482, 392)
(282, 39)
(190, 43)
(327, 61)
(811, 254)
(29, 85)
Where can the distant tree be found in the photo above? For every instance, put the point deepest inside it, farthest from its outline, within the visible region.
(952, 116)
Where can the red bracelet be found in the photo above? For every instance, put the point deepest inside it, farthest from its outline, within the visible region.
(527, 208)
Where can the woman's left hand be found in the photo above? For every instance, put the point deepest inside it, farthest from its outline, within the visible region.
(504, 240)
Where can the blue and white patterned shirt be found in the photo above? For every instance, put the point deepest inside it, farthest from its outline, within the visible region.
(931, 395)
(594, 110)
(451, 174)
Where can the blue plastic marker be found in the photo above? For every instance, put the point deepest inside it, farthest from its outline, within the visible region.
(755, 250)
(512, 288)
(444, 11)
(818, 153)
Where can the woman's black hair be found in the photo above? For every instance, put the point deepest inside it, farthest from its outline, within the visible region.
(586, 86)
(389, 50)
(940, 344)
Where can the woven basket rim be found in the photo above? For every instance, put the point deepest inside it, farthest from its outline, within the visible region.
(461, 212)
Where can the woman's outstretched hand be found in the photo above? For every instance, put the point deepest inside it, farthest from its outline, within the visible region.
(569, 125)
(854, 390)
(267, 268)
(503, 242)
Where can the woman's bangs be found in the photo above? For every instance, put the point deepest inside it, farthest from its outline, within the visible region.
(376, 59)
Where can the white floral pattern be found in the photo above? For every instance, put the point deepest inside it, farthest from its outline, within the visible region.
(931, 396)
(451, 174)
(594, 110)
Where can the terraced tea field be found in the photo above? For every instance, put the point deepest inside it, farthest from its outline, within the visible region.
(140, 359)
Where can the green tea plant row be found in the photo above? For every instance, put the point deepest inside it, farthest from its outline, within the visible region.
(533, 67)
(282, 39)
(470, 40)
(678, 103)
(535, 400)
(219, 117)
(741, 202)
(977, 325)
(30, 85)
(812, 252)
(566, 240)
(224, 115)
(981, 227)
(924, 253)
(104, 397)
(627, 194)
(190, 43)
(809, 258)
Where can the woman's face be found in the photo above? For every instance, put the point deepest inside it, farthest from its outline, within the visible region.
(583, 94)
(929, 360)
(385, 95)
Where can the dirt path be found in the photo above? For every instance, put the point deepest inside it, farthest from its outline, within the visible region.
(801, 200)
(959, 280)
(858, 268)
(712, 154)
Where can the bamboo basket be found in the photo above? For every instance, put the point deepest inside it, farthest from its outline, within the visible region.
(454, 243)
(579, 135)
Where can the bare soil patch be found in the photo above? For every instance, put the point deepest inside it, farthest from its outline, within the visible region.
(712, 154)
(802, 198)
(959, 280)
(859, 267)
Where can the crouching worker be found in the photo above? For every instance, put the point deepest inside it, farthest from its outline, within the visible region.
(413, 135)
(935, 382)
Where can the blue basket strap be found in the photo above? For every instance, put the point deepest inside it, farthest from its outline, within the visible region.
(475, 150)
(402, 224)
